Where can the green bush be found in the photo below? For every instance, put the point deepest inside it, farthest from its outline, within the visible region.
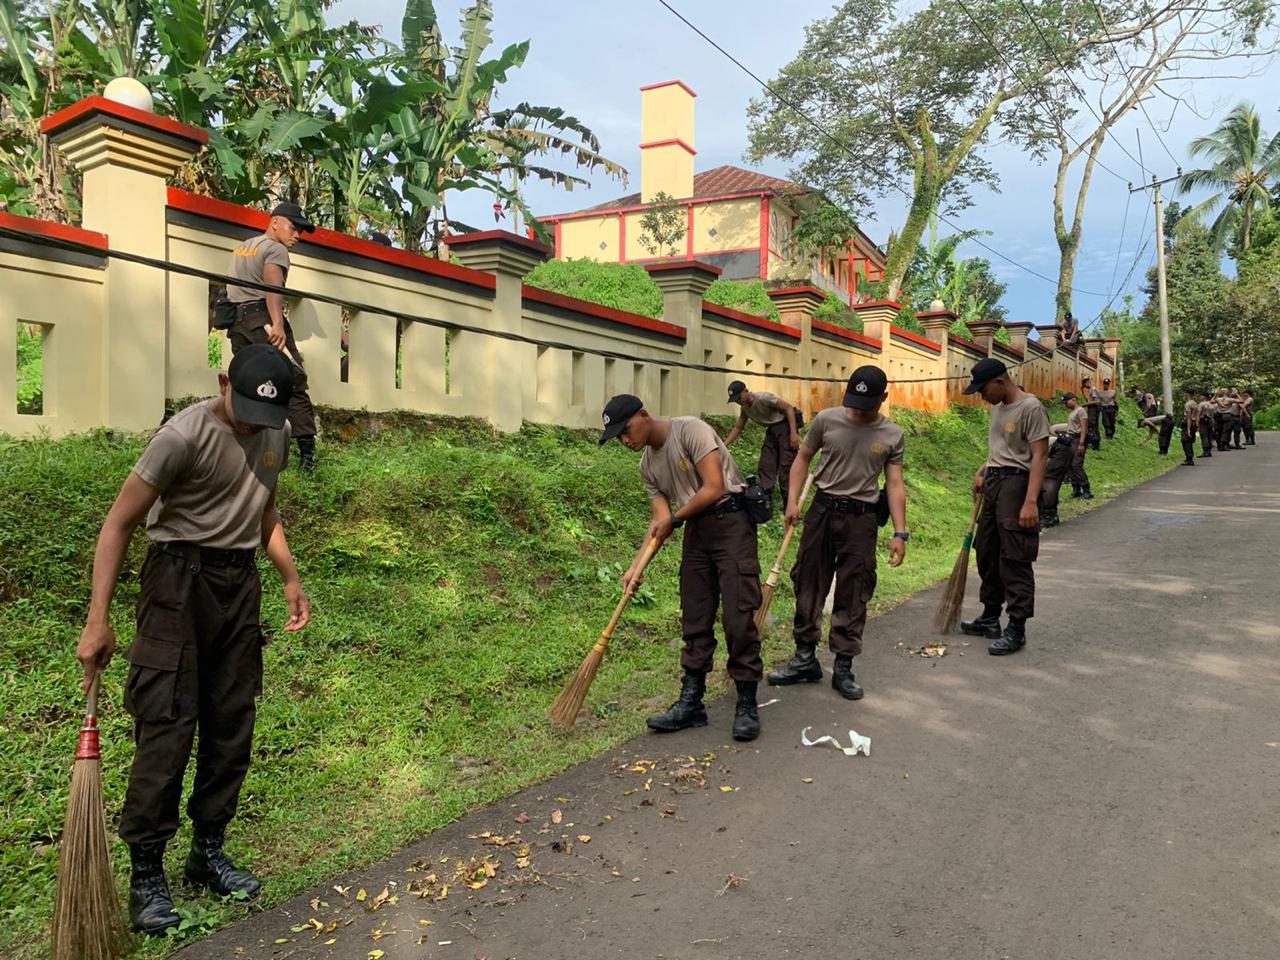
(836, 312)
(748, 296)
(1268, 419)
(30, 370)
(623, 286)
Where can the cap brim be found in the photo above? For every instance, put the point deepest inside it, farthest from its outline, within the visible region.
(612, 430)
(258, 412)
(974, 387)
(734, 397)
(859, 402)
(306, 226)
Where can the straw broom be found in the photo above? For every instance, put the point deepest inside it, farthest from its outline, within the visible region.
(953, 597)
(86, 910)
(564, 712)
(766, 597)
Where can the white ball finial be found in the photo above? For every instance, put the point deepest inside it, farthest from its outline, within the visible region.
(130, 92)
(936, 305)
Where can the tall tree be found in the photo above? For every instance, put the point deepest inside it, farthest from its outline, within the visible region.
(1242, 160)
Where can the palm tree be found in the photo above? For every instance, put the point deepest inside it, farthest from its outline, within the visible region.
(1242, 159)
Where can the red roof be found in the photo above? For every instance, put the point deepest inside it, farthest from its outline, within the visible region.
(718, 182)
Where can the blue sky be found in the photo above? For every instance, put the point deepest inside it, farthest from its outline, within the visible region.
(591, 58)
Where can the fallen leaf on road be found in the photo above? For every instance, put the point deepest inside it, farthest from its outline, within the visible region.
(731, 882)
(725, 788)
(806, 779)
(584, 837)
(315, 903)
(341, 891)
(376, 955)
(361, 896)
(522, 862)
(556, 816)
(522, 818)
(331, 941)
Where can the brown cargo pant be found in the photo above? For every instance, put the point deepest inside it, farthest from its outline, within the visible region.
(1062, 454)
(776, 458)
(251, 327)
(1006, 551)
(196, 663)
(720, 564)
(843, 545)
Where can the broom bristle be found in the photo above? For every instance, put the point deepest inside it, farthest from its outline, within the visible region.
(948, 615)
(766, 598)
(87, 924)
(564, 712)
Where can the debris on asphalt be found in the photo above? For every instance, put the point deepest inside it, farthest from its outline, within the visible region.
(858, 744)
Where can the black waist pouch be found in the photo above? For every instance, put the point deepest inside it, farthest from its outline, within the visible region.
(224, 312)
(756, 502)
(882, 508)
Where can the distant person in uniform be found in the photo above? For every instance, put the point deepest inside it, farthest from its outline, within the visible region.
(260, 315)
(206, 486)
(1070, 329)
(1107, 398)
(1246, 419)
(1225, 419)
(858, 445)
(781, 422)
(1236, 412)
(691, 478)
(1093, 407)
(1190, 427)
(1067, 448)
(1008, 535)
(1160, 425)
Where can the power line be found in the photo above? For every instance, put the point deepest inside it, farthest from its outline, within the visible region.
(844, 147)
(1012, 69)
(1124, 224)
(356, 306)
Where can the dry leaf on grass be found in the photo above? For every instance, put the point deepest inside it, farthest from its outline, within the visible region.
(556, 816)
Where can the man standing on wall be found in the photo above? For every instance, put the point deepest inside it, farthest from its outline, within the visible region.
(1107, 398)
(781, 422)
(206, 485)
(691, 477)
(1204, 415)
(260, 316)
(858, 445)
(1008, 536)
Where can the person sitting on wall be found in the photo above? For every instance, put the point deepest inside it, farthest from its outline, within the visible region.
(781, 422)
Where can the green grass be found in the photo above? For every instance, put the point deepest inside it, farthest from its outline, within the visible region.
(457, 577)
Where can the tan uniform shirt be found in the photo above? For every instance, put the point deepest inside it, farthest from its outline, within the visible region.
(1014, 427)
(1077, 423)
(1107, 397)
(248, 262)
(853, 456)
(764, 409)
(214, 483)
(671, 471)
(1191, 413)
(1206, 410)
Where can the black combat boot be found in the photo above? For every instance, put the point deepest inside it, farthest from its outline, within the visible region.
(1048, 519)
(1075, 491)
(150, 906)
(842, 681)
(306, 454)
(746, 716)
(1086, 493)
(209, 866)
(1012, 640)
(802, 668)
(688, 710)
(987, 625)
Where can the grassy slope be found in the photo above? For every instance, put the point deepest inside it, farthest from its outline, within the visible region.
(457, 578)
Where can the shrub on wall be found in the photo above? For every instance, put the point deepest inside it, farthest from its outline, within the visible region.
(623, 286)
(836, 312)
(748, 296)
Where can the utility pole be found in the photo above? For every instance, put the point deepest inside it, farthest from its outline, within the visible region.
(1162, 293)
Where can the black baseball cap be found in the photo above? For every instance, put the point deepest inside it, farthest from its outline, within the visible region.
(735, 390)
(866, 388)
(983, 372)
(293, 213)
(616, 414)
(261, 385)
(1068, 396)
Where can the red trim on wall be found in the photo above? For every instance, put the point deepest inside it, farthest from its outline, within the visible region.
(86, 108)
(538, 295)
(557, 229)
(622, 239)
(670, 142)
(1007, 350)
(849, 261)
(633, 208)
(846, 334)
(57, 231)
(330, 239)
(684, 265)
(668, 83)
(878, 303)
(688, 235)
(915, 338)
(764, 238)
(1036, 345)
(750, 319)
(965, 342)
(804, 288)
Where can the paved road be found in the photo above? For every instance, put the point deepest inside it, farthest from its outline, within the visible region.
(1110, 792)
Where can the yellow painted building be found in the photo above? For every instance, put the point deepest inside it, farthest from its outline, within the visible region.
(736, 219)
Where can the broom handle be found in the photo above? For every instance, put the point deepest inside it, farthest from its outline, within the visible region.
(786, 537)
(627, 594)
(973, 521)
(91, 703)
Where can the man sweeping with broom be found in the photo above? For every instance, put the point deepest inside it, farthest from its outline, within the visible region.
(1008, 537)
(858, 444)
(206, 485)
(693, 481)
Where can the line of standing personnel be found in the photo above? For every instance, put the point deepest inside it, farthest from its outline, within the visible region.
(1066, 461)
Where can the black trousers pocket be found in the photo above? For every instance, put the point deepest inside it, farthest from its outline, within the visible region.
(1018, 543)
(151, 691)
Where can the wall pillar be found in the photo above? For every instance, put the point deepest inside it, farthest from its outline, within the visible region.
(877, 316)
(682, 285)
(125, 155)
(1019, 330)
(796, 307)
(982, 332)
(503, 372)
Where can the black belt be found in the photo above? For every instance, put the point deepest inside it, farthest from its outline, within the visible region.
(844, 504)
(1009, 471)
(730, 504)
(207, 556)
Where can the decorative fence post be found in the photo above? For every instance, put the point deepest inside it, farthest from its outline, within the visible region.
(682, 285)
(796, 307)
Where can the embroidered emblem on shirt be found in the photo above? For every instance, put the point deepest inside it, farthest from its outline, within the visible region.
(683, 463)
(269, 458)
(877, 446)
(1008, 427)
